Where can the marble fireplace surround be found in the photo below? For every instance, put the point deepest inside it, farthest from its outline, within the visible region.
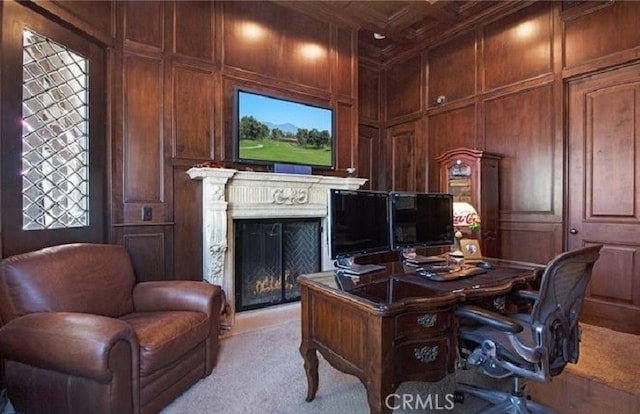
(229, 195)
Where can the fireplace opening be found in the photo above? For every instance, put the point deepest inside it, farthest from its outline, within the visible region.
(270, 254)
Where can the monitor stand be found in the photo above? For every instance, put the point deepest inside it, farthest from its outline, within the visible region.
(348, 267)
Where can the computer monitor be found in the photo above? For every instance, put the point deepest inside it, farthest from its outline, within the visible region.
(358, 225)
(421, 220)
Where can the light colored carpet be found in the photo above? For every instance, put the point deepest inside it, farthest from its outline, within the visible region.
(261, 370)
(610, 357)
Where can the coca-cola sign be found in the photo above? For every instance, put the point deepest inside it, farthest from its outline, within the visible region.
(464, 215)
(465, 219)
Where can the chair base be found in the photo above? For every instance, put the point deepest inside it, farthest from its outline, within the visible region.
(515, 402)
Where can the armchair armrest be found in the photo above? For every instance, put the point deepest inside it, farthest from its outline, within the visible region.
(531, 295)
(178, 295)
(487, 318)
(76, 344)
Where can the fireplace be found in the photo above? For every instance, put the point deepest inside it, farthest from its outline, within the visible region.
(230, 195)
(270, 255)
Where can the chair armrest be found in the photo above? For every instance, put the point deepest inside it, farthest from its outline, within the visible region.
(178, 295)
(488, 318)
(78, 344)
(531, 295)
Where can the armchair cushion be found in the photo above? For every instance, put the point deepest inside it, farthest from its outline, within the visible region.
(163, 336)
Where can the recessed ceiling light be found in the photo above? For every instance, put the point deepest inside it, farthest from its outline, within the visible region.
(378, 36)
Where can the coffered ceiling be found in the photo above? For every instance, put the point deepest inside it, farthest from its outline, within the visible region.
(404, 24)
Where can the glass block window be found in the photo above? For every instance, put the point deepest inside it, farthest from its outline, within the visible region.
(55, 140)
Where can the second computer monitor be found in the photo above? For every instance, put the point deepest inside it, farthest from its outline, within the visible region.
(421, 220)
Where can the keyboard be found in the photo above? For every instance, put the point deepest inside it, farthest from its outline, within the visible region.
(442, 276)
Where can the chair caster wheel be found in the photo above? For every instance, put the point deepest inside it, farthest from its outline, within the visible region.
(458, 397)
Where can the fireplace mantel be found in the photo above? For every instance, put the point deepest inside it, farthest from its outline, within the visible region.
(229, 194)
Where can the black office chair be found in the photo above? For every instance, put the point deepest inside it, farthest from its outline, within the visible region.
(534, 346)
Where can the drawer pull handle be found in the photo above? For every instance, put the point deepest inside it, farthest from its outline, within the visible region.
(426, 354)
(427, 320)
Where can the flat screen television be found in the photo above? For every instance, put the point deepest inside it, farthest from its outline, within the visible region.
(273, 130)
(358, 225)
(421, 220)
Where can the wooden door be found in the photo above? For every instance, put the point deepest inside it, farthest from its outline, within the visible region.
(603, 191)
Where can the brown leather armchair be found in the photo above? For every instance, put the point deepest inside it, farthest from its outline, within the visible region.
(81, 336)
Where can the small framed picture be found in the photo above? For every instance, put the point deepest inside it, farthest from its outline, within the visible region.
(471, 249)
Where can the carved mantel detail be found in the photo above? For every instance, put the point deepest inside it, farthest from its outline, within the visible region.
(229, 194)
(290, 196)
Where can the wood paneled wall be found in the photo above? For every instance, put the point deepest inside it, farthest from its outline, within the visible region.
(370, 124)
(206, 50)
(173, 70)
(173, 67)
(500, 87)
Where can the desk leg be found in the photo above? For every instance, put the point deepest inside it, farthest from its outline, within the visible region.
(311, 368)
(377, 393)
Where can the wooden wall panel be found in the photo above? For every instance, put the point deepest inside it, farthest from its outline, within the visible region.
(187, 247)
(144, 23)
(520, 127)
(272, 41)
(248, 42)
(193, 29)
(193, 91)
(402, 151)
(518, 48)
(404, 88)
(369, 94)
(345, 117)
(145, 246)
(99, 13)
(346, 63)
(452, 69)
(531, 242)
(305, 55)
(447, 130)
(601, 32)
(143, 133)
(368, 156)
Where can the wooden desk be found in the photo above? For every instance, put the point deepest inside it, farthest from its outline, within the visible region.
(391, 327)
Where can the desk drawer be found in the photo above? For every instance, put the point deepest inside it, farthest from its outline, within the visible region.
(422, 359)
(415, 324)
